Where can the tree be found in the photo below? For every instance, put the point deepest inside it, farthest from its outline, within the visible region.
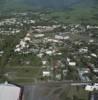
(8, 48)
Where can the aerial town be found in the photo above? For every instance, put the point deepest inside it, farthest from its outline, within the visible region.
(48, 49)
(41, 50)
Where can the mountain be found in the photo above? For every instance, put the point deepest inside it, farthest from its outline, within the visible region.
(59, 3)
(45, 3)
(55, 4)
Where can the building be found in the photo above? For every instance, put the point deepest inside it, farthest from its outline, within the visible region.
(92, 87)
(46, 73)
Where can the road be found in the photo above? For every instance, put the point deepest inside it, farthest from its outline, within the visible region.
(43, 92)
(47, 91)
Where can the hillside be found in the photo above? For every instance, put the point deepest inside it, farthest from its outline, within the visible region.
(55, 4)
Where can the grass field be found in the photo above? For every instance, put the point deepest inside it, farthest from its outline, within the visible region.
(75, 15)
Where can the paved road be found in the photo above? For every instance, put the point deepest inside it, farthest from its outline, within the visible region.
(43, 92)
(47, 91)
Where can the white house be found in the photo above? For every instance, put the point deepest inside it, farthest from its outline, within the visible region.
(49, 52)
(40, 55)
(32, 21)
(83, 50)
(39, 35)
(1, 53)
(27, 39)
(44, 62)
(91, 40)
(94, 55)
(72, 63)
(46, 73)
(68, 59)
(17, 50)
(91, 87)
(59, 37)
(22, 43)
(66, 37)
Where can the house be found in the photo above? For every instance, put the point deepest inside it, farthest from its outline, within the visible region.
(94, 55)
(68, 59)
(32, 21)
(22, 43)
(39, 35)
(59, 37)
(1, 53)
(83, 50)
(49, 52)
(10, 92)
(72, 63)
(91, 40)
(65, 72)
(46, 73)
(92, 27)
(40, 55)
(44, 62)
(92, 87)
(59, 53)
(17, 50)
(58, 76)
(52, 40)
(27, 39)
(28, 35)
(66, 37)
